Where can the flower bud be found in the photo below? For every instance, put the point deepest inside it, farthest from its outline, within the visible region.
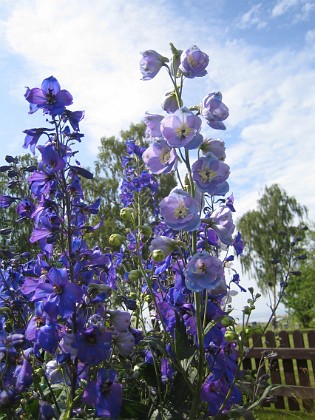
(126, 213)
(158, 255)
(146, 231)
(230, 336)
(116, 240)
(227, 321)
(134, 275)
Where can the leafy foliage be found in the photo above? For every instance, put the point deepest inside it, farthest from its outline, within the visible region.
(268, 233)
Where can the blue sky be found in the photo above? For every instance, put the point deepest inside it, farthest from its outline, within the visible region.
(261, 59)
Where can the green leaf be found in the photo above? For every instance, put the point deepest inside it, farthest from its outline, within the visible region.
(147, 373)
(184, 346)
(133, 410)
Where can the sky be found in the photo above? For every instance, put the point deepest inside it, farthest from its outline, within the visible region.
(261, 59)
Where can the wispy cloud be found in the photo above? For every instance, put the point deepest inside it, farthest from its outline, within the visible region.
(298, 10)
(94, 52)
(253, 18)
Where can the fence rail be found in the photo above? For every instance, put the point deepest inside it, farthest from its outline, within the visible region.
(289, 360)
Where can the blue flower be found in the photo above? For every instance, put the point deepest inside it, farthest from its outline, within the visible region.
(204, 271)
(180, 211)
(105, 394)
(50, 98)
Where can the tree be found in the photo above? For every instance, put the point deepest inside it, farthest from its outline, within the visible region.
(268, 233)
(299, 294)
(13, 183)
(108, 173)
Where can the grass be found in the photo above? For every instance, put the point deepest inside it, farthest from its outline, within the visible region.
(272, 414)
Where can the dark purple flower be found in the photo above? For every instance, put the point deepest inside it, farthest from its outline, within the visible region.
(210, 175)
(6, 201)
(193, 62)
(160, 157)
(46, 411)
(214, 391)
(204, 271)
(94, 346)
(32, 137)
(59, 295)
(214, 110)
(51, 161)
(47, 337)
(180, 211)
(230, 202)
(23, 373)
(238, 244)
(180, 128)
(25, 209)
(49, 97)
(105, 394)
(74, 118)
(151, 63)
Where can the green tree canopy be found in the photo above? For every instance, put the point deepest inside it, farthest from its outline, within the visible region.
(267, 234)
(299, 294)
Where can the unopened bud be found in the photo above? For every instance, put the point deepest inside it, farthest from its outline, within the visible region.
(127, 213)
(134, 275)
(158, 255)
(227, 321)
(115, 239)
(230, 336)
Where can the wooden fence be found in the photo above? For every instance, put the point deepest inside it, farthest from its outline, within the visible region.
(289, 360)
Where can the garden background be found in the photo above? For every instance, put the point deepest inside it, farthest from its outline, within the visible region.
(261, 58)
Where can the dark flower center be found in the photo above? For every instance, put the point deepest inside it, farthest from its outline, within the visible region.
(58, 289)
(105, 387)
(91, 338)
(50, 97)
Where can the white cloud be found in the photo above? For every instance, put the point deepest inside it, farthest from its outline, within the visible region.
(253, 18)
(94, 51)
(299, 10)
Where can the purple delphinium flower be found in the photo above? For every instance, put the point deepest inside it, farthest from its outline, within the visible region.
(124, 342)
(105, 394)
(180, 128)
(51, 161)
(193, 62)
(214, 391)
(214, 110)
(214, 146)
(203, 271)
(32, 137)
(120, 320)
(238, 244)
(153, 123)
(170, 102)
(25, 209)
(222, 222)
(151, 63)
(50, 98)
(180, 211)
(74, 118)
(163, 243)
(93, 345)
(59, 296)
(229, 202)
(6, 201)
(210, 175)
(160, 157)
